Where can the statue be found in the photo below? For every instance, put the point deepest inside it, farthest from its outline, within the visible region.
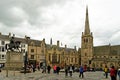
(13, 45)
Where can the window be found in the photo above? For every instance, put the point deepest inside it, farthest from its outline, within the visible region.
(54, 58)
(116, 57)
(32, 50)
(75, 59)
(71, 59)
(85, 54)
(32, 56)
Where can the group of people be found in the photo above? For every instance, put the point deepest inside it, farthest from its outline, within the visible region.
(70, 69)
(113, 72)
(56, 69)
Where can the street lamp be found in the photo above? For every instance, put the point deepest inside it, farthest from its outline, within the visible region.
(25, 63)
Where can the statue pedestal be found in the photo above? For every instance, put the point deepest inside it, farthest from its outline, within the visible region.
(14, 60)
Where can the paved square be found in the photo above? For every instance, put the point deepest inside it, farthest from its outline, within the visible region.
(44, 76)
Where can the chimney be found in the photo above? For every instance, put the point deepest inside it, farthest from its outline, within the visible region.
(58, 43)
(26, 37)
(13, 35)
(9, 34)
(51, 41)
(65, 46)
(44, 40)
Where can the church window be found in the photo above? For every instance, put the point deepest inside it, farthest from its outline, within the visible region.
(54, 58)
(86, 40)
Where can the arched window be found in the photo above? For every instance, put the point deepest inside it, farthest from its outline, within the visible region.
(54, 58)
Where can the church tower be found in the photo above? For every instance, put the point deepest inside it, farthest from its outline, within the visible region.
(86, 43)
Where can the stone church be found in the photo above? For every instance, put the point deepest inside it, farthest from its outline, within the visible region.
(97, 56)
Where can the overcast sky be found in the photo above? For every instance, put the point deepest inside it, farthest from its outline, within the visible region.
(61, 20)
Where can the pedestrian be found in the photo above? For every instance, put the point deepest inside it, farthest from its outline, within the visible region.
(70, 70)
(33, 67)
(73, 68)
(116, 70)
(118, 73)
(54, 68)
(48, 68)
(66, 70)
(44, 69)
(112, 73)
(57, 69)
(106, 70)
(81, 70)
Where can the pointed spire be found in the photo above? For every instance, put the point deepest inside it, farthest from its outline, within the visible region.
(51, 41)
(87, 29)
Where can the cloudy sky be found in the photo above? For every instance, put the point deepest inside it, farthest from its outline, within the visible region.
(61, 20)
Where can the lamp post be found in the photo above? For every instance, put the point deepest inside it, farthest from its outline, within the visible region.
(25, 63)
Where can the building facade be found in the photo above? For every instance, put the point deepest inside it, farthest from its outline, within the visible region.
(97, 56)
(61, 56)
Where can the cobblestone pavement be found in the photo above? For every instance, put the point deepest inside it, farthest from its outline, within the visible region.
(15, 75)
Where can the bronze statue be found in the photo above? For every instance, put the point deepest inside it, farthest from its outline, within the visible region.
(13, 45)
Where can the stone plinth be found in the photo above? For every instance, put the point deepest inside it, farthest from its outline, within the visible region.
(14, 60)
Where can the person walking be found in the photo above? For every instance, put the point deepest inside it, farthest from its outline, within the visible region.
(66, 70)
(118, 73)
(112, 73)
(81, 70)
(106, 71)
(48, 69)
(57, 69)
(70, 70)
(54, 68)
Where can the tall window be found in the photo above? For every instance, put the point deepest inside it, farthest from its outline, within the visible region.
(54, 58)
(71, 59)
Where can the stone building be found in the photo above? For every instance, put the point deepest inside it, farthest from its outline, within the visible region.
(61, 56)
(36, 51)
(97, 56)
